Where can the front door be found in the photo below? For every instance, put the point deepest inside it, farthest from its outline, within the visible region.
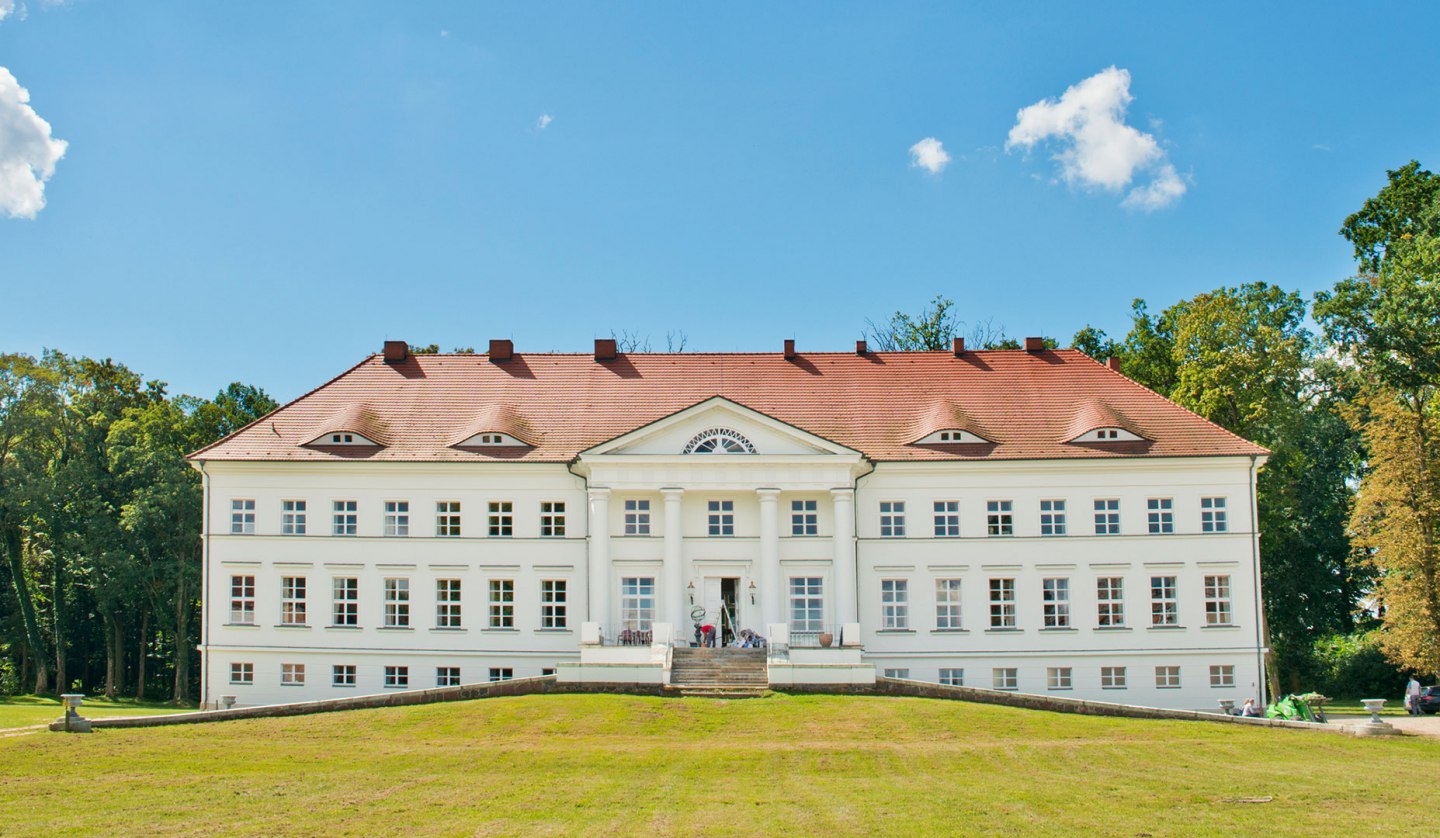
(722, 598)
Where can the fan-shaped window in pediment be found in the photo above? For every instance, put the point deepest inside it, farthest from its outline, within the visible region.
(719, 441)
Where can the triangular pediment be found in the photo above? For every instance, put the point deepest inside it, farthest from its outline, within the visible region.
(719, 427)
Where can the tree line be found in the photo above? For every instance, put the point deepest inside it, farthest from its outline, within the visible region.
(100, 525)
(1350, 498)
(100, 515)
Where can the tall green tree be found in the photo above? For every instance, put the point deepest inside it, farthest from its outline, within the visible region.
(1386, 323)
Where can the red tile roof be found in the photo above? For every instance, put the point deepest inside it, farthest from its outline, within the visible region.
(1028, 405)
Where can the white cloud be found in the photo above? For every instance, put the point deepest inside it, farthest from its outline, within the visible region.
(929, 154)
(1097, 148)
(543, 122)
(7, 8)
(27, 151)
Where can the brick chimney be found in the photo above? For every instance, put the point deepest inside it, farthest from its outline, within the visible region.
(501, 351)
(396, 351)
(859, 347)
(1034, 344)
(605, 349)
(789, 350)
(958, 347)
(1113, 363)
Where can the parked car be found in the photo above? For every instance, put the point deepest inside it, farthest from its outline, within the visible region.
(1430, 700)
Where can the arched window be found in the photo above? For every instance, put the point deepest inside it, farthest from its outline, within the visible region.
(719, 441)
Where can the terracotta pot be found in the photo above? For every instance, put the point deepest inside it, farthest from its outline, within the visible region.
(826, 638)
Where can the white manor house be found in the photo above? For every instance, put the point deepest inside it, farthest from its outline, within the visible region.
(1026, 520)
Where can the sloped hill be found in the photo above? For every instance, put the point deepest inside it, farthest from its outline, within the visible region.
(610, 764)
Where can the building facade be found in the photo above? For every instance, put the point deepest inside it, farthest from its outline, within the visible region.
(1027, 520)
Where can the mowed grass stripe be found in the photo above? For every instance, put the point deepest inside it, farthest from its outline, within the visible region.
(621, 764)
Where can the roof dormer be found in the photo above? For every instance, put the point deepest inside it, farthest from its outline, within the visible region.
(497, 426)
(490, 440)
(1108, 435)
(355, 426)
(1096, 421)
(952, 436)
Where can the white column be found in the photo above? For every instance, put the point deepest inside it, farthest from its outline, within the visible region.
(676, 608)
(599, 580)
(845, 610)
(771, 596)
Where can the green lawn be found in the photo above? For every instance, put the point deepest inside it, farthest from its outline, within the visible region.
(21, 710)
(602, 764)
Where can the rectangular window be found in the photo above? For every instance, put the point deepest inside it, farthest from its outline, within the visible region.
(1217, 600)
(894, 604)
(999, 517)
(892, 519)
(952, 677)
(1057, 678)
(553, 604)
(1212, 515)
(292, 674)
(397, 677)
(242, 673)
(552, 519)
(804, 519)
(902, 672)
(292, 517)
(447, 676)
(1112, 677)
(1167, 677)
(242, 517)
(502, 603)
(292, 600)
(501, 673)
(345, 518)
(637, 602)
(242, 600)
(947, 518)
(1056, 601)
(722, 517)
(346, 601)
(947, 605)
(342, 675)
(447, 518)
(1107, 516)
(1164, 603)
(447, 603)
(1222, 676)
(1160, 515)
(397, 602)
(637, 516)
(1110, 600)
(807, 603)
(1052, 517)
(1002, 603)
(397, 518)
(1005, 678)
(502, 519)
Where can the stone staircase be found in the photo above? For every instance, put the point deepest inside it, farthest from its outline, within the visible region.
(719, 673)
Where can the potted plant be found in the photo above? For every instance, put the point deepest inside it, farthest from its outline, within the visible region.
(826, 638)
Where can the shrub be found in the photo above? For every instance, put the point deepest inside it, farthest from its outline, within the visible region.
(1352, 666)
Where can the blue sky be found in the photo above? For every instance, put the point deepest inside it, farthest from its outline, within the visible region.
(265, 193)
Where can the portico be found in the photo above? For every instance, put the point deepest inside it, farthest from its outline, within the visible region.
(719, 514)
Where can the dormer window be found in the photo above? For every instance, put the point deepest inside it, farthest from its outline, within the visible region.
(719, 441)
(342, 439)
(1108, 435)
(953, 436)
(491, 439)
